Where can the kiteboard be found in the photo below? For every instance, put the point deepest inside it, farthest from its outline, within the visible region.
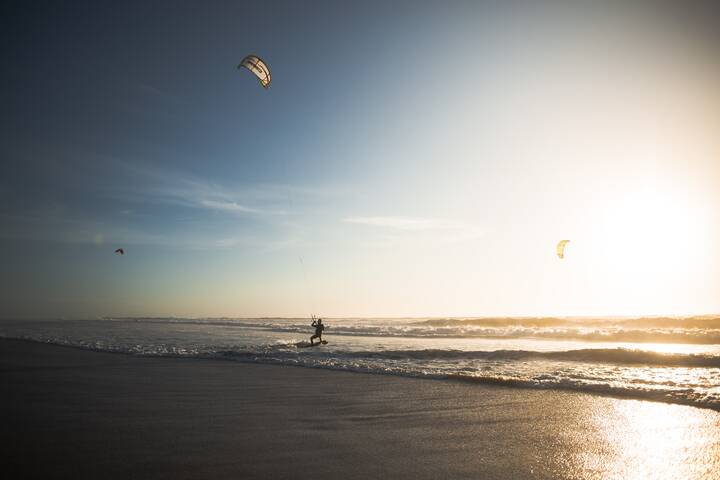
(308, 344)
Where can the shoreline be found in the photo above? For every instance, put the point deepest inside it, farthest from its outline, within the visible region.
(83, 414)
(468, 380)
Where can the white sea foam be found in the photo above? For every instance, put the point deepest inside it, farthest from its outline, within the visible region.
(688, 330)
(516, 356)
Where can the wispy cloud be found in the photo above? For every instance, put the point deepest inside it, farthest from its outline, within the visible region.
(436, 229)
(227, 206)
(400, 223)
(133, 210)
(172, 188)
(78, 230)
(153, 90)
(405, 223)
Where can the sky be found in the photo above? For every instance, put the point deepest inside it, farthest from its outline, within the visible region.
(409, 159)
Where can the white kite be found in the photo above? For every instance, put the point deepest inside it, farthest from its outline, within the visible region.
(258, 67)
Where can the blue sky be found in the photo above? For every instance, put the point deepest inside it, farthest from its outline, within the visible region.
(420, 158)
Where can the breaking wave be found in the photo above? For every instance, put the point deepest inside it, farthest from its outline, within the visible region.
(685, 330)
(620, 356)
(689, 379)
(500, 351)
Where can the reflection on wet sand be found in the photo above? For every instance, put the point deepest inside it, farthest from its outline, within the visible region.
(645, 440)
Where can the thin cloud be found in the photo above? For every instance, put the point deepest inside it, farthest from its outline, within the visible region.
(171, 188)
(157, 185)
(432, 229)
(404, 223)
(155, 91)
(222, 203)
(83, 231)
(225, 206)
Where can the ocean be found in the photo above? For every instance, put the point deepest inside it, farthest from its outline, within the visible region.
(674, 360)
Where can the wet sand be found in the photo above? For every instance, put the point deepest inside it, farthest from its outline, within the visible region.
(70, 413)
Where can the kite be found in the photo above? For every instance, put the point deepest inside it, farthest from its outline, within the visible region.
(560, 249)
(256, 65)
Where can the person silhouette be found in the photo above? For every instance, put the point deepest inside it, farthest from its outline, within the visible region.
(319, 327)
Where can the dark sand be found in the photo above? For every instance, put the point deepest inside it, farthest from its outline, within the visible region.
(68, 413)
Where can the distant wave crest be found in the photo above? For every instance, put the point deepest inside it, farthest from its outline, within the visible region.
(690, 330)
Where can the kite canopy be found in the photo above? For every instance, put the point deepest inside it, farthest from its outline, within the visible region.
(560, 249)
(120, 251)
(257, 67)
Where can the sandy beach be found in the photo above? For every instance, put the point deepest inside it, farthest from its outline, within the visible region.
(70, 413)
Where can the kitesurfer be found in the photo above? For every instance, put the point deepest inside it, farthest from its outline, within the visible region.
(319, 327)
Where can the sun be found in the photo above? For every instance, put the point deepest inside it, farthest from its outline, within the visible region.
(652, 230)
(647, 248)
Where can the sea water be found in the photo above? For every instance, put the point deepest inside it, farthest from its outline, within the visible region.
(674, 360)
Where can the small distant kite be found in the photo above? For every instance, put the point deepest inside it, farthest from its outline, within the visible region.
(560, 249)
(258, 67)
(120, 251)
